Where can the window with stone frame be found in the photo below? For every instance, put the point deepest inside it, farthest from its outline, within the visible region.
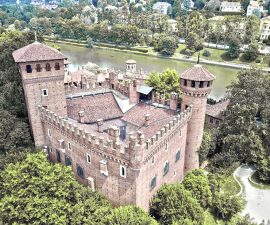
(49, 133)
(153, 182)
(177, 156)
(69, 146)
(44, 92)
(103, 167)
(68, 160)
(166, 168)
(80, 171)
(123, 171)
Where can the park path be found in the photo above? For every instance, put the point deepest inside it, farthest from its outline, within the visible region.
(258, 200)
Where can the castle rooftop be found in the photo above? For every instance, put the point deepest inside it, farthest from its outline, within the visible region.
(217, 110)
(197, 73)
(36, 52)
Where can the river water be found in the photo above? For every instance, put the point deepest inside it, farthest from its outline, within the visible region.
(107, 58)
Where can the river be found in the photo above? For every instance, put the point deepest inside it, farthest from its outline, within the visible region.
(107, 58)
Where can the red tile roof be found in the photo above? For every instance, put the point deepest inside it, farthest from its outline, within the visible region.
(101, 106)
(158, 118)
(197, 73)
(217, 110)
(36, 52)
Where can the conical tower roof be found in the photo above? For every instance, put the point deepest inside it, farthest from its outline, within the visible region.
(197, 73)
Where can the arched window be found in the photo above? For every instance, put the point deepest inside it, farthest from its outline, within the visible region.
(166, 168)
(68, 161)
(153, 182)
(80, 171)
(57, 66)
(122, 171)
(28, 68)
(177, 156)
(48, 67)
(38, 68)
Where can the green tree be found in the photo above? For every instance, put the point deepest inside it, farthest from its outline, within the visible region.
(197, 183)
(234, 47)
(176, 8)
(245, 4)
(252, 25)
(129, 215)
(194, 42)
(171, 203)
(36, 192)
(226, 206)
(165, 82)
(166, 45)
(252, 52)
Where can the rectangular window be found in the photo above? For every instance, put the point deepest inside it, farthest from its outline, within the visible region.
(123, 172)
(166, 168)
(38, 68)
(48, 67)
(88, 158)
(193, 83)
(44, 92)
(69, 146)
(211, 120)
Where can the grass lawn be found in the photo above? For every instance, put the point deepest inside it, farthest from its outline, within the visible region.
(230, 185)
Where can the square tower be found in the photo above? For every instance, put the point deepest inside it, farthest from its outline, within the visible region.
(42, 72)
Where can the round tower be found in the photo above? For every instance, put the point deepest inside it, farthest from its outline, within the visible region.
(195, 85)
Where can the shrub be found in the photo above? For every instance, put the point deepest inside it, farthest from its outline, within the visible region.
(258, 60)
(206, 53)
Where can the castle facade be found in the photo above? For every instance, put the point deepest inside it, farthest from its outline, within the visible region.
(117, 134)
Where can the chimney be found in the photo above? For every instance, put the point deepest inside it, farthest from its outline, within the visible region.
(173, 101)
(81, 117)
(99, 124)
(146, 117)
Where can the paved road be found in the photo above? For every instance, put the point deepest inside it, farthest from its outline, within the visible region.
(258, 201)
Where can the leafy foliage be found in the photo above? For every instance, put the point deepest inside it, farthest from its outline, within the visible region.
(165, 82)
(252, 52)
(37, 192)
(173, 203)
(166, 45)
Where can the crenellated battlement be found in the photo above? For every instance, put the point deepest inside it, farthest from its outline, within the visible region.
(171, 128)
(111, 148)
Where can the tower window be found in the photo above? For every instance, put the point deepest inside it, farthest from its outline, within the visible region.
(201, 84)
(193, 83)
(38, 68)
(80, 171)
(28, 68)
(44, 92)
(153, 160)
(48, 67)
(177, 156)
(153, 182)
(166, 168)
(57, 66)
(208, 83)
(88, 158)
(99, 84)
(62, 144)
(123, 172)
(180, 132)
(185, 82)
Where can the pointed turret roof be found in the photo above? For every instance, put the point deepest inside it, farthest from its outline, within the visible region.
(197, 73)
(36, 52)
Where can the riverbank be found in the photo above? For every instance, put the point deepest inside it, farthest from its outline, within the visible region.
(148, 51)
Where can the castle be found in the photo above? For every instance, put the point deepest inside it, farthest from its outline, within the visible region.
(117, 134)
